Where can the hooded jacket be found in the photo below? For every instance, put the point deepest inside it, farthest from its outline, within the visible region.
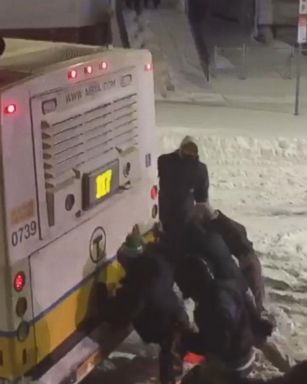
(183, 181)
(147, 298)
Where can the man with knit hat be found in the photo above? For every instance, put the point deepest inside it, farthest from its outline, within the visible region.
(131, 248)
(147, 299)
(184, 180)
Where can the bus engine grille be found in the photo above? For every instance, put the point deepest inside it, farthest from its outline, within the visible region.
(74, 141)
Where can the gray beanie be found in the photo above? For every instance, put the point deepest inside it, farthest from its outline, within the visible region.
(187, 140)
(188, 144)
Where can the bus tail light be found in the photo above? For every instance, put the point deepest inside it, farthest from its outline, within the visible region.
(104, 65)
(10, 109)
(88, 70)
(19, 281)
(154, 192)
(73, 74)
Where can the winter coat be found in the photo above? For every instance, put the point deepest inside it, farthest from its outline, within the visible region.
(147, 299)
(235, 236)
(228, 327)
(198, 239)
(224, 324)
(182, 183)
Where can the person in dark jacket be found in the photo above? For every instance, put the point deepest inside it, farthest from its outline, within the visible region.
(235, 237)
(199, 239)
(148, 301)
(217, 373)
(228, 329)
(197, 14)
(183, 180)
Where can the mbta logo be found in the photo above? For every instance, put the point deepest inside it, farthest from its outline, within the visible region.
(98, 245)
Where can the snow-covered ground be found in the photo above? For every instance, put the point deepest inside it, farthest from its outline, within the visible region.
(258, 173)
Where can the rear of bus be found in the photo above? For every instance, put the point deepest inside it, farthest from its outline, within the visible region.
(78, 170)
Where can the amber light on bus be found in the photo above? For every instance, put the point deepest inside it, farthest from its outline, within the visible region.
(19, 281)
(73, 74)
(104, 65)
(10, 109)
(148, 67)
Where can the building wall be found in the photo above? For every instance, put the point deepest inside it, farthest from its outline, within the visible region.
(82, 21)
(266, 11)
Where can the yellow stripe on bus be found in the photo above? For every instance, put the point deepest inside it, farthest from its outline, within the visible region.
(64, 319)
(54, 328)
(17, 357)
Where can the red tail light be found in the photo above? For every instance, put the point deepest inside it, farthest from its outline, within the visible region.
(19, 281)
(88, 70)
(73, 74)
(10, 109)
(154, 192)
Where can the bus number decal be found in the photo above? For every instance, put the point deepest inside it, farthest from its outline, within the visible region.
(23, 233)
(103, 184)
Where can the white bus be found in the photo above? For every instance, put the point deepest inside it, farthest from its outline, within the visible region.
(78, 170)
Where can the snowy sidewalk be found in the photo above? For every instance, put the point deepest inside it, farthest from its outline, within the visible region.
(249, 74)
(178, 73)
(205, 120)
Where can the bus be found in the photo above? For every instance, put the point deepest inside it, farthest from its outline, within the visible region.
(78, 171)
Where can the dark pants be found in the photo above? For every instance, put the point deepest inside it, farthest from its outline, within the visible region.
(203, 53)
(170, 363)
(197, 11)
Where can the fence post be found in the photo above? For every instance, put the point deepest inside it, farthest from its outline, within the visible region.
(291, 57)
(242, 74)
(214, 67)
(298, 79)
